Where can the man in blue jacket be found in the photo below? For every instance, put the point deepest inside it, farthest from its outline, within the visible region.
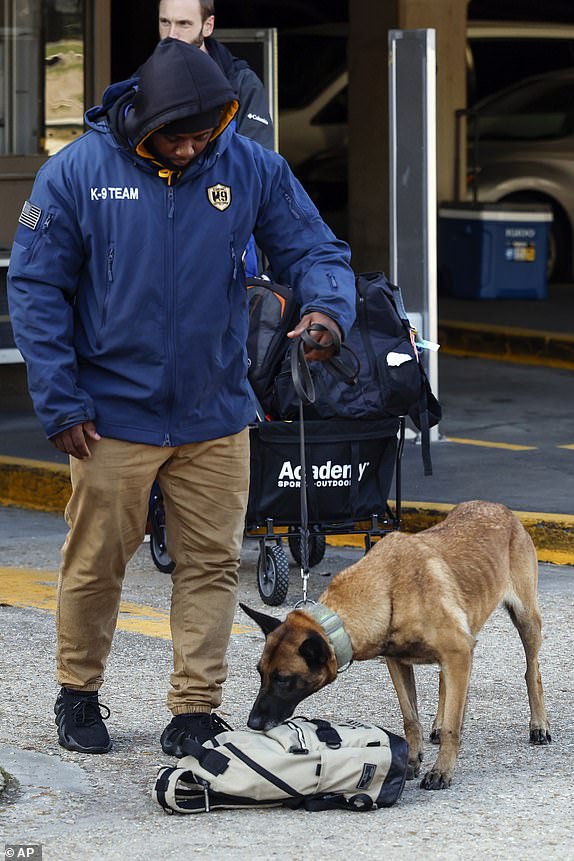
(129, 305)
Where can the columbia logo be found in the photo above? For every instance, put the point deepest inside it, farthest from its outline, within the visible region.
(258, 119)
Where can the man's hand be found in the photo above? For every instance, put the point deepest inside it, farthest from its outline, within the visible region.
(327, 338)
(72, 441)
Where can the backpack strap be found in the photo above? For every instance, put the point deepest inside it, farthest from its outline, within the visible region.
(360, 802)
(211, 760)
(426, 413)
(398, 300)
(262, 772)
(422, 407)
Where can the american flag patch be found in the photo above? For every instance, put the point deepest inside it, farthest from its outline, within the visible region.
(30, 215)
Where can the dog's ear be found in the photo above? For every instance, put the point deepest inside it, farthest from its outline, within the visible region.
(315, 651)
(266, 623)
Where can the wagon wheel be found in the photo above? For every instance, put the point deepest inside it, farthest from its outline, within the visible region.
(317, 546)
(273, 574)
(158, 538)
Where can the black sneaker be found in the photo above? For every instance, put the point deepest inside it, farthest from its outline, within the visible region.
(198, 726)
(80, 723)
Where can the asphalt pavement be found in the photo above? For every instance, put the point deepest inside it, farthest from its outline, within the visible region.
(509, 800)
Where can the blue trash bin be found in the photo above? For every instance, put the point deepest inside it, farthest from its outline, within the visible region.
(494, 250)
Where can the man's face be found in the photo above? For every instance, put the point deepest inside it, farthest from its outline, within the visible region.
(181, 19)
(180, 150)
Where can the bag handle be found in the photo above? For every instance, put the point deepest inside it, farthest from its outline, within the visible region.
(166, 790)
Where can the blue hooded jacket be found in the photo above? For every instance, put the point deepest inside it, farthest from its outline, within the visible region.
(126, 288)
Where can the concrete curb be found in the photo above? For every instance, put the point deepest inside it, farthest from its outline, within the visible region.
(34, 484)
(504, 342)
(44, 486)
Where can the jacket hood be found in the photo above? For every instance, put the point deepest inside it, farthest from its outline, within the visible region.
(177, 81)
(227, 62)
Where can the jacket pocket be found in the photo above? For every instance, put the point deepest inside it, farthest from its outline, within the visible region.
(301, 208)
(31, 239)
(107, 291)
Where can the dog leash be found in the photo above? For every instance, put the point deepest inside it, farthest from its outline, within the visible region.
(305, 390)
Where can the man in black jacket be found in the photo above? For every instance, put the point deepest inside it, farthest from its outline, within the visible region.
(193, 21)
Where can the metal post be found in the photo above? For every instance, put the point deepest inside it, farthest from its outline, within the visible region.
(412, 182)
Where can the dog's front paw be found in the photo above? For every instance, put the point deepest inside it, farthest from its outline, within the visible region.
(434, 737)
(414, 767)
(540, 736)
(435, 780)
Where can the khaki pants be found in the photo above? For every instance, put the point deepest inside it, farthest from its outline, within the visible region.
(205, 489)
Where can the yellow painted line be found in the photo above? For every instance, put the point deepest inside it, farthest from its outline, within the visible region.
(553, 534)
(557, 557)
(570, 446)
(509, 330)
(24, 587)
(516, 358)
(485, 444)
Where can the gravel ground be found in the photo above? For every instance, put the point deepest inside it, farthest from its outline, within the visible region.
(508, 800)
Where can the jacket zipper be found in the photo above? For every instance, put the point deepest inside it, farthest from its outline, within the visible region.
(170, 316)
(42, 234)
(233, 256)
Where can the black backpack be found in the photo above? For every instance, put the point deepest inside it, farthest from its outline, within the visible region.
(273, 311)
(391, 380)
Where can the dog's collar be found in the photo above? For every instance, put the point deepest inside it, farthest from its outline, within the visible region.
(335, 632)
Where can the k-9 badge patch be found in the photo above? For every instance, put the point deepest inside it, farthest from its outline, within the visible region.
(30, 215)
(219, 196)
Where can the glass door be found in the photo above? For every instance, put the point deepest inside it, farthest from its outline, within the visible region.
(42, 53)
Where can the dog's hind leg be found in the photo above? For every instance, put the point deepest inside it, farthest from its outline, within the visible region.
(437, 722)
(521, 601)
(528, 624)
(455, 671)
(403, 678)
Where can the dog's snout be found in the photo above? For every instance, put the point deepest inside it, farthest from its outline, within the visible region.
(268, 711)
(255, 721)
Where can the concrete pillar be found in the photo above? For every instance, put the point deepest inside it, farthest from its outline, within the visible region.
(368, 111)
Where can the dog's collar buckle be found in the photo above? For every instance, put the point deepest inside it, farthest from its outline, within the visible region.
(345, 667)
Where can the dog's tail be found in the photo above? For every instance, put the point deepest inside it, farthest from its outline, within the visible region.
(522, 595)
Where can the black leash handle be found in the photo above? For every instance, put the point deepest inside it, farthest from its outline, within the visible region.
(300, 373)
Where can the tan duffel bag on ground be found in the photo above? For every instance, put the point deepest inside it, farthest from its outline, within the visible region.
(312, 764)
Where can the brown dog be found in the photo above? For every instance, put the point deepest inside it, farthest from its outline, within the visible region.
(416, 599)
